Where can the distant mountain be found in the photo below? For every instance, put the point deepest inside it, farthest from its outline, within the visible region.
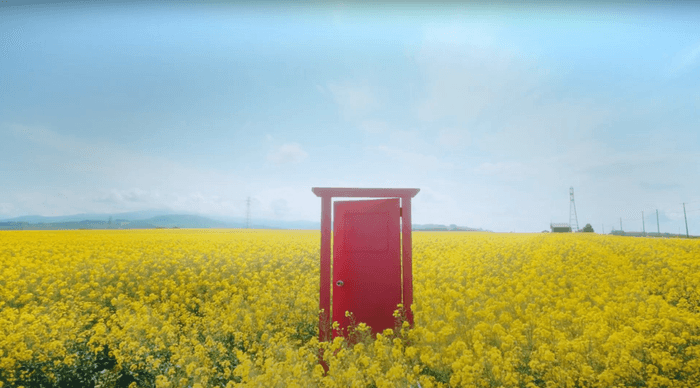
(185, 221)
(85, 224)
(257, 223)
(150, 219)
(450, 228)
(136, 221)
(311, 225)
(131, 216)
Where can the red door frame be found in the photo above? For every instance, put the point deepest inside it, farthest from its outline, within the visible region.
(326, 194)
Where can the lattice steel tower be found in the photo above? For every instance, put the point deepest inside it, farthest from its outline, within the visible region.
(573, 219)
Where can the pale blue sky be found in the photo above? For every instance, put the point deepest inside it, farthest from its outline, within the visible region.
(492, 111)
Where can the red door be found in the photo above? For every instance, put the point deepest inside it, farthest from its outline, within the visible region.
(366, 262)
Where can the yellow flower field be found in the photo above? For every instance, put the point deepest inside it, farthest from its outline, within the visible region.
(213, 308)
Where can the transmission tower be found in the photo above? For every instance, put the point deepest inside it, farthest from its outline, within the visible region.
(573, 219)
(247, 214)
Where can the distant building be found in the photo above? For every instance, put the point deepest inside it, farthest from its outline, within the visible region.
(560, 228)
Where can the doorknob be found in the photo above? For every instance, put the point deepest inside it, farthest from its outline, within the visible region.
(339, 283)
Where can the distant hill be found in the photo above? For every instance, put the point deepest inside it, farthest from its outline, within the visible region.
(136, 221)
(445, 228)
(185, 221)
(240, 222)
(151, 219)
(131, 216)
(85, 224)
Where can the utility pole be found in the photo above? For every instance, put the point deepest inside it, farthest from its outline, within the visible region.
(658, 230)
(644, 229)
(247, 214)
(686, 222)
(620, 224)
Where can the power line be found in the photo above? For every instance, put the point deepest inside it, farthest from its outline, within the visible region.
(658, 226)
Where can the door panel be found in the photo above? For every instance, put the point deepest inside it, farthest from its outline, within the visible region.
(367, 259)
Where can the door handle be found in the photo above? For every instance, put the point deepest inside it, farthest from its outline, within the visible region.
(339, 283)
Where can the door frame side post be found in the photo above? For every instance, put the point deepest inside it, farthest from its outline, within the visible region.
(326, 194)
(325, 271)
(407, 259)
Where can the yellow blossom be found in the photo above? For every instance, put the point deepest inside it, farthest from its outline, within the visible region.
(240, 308)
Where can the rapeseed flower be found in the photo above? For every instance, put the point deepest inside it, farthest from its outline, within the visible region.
(187, 308)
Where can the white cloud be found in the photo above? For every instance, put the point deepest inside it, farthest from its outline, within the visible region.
(280, 207)
(74, 154)
(506, 99)
(467, 80)
(8, 210)
(355, 101)
(287, 154)
(430, 196)
(657, 170)
(133, 199)
(459, 35)
(374, 126)
(296, 202)
(128, 197)
(104, 161)
(455, 203)
(50, 202)
(508, 170)
(411, 140)
(206, 203)
(453, 138)
(684, 61)
(320, 89)
(105, 177)
(415, 160)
